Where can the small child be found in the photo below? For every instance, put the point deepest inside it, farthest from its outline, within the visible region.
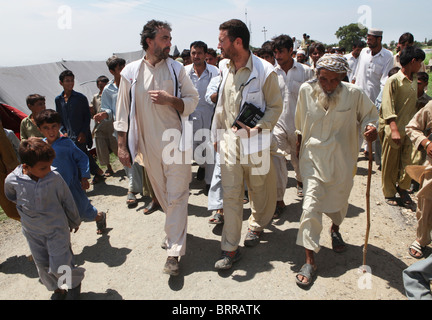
(73, 166)
(48, 215)
(28, 128)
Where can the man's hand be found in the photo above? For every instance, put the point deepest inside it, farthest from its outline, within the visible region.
(74, 230)
(124, 157)
(82, 138)
(245, 132)
(164, 98)
(100, 116)
(160, 97)
(428, 148)
(84, 183)
(395, 134)
(371, 133)
(123, 152)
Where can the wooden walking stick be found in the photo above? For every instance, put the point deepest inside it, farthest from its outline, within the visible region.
(368, 203)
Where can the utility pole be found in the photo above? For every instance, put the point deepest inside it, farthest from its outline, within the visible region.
(265, 32)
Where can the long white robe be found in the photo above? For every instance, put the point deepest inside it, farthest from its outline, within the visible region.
(170, 181)
(328, 155)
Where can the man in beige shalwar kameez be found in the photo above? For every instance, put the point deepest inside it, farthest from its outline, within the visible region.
(329, 113)
(162, 97)
(418, 130)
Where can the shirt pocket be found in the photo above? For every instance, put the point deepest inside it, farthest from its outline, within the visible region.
(168, 86)
(255, 98)
(377, 69)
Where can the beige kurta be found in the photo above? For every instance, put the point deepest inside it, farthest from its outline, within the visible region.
(8, 162)
(170, 182)
(261, 187)
(328, 155)
(399, 102)
(418, 129)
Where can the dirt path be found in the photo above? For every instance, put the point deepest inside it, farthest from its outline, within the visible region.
(126, 263)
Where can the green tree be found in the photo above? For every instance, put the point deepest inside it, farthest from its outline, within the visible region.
(347, 35)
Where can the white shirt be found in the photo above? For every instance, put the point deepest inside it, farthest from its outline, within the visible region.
(372, 71)
(352, 62)
(289, 84)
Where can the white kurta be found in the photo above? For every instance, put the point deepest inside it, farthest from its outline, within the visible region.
(170, 181)
(328, 155)
(284, 131)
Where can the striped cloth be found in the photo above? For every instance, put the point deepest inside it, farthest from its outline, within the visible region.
(333, 62)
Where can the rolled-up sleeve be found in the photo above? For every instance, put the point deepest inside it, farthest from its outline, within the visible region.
(123, 106)
(273, 100)
(189, 93)
(421, 122)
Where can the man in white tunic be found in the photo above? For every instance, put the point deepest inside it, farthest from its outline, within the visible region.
(201, 73)
(329, 113)
(373, 66)
(154, 102)
(291, 75)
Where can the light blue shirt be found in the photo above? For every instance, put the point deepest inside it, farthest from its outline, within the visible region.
(109, 100)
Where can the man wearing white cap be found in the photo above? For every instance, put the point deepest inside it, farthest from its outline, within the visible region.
(374, 65)
(329, 115)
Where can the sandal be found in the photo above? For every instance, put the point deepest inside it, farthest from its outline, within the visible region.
(307, 271)
(338, 244)
(109, 173)
(299, 191)
(101, 224)
(217, 219)
(98, 178)
(416, 246)
(406, 199)
(131, 200)
(278, 212)
(392, 201)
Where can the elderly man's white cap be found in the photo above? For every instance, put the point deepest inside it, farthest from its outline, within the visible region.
(375, 32)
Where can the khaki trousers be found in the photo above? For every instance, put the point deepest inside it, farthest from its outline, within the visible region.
(262, 195)
(394, 160)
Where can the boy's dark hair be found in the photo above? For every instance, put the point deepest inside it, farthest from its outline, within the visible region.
(318, 46)
(212, 52)
(33, 98)
(151, 29)
(237, 29)
(102, 79)
(423, 76)
(66, 73)
(199, 44)
(358, 44)
(47, 116)
(410, 53)
(34, 150)
(393, 71)
(283, 41)
(115, 61)
(185, 53)
(406, 38)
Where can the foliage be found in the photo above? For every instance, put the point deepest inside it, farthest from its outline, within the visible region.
(347, 35)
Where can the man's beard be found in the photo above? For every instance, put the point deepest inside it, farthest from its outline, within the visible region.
(327, 99)
(162, 53)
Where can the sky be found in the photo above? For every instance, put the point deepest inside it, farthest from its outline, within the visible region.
(36, 32)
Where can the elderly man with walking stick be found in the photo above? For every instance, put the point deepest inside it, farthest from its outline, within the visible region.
(328, 115)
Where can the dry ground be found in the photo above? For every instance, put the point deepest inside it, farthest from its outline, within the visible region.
(126, 263)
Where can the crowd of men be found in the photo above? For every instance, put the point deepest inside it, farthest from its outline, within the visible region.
(316, 107)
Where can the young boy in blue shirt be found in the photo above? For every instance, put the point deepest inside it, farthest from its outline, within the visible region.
(75, 116)
(72, 164)
(48, 215)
